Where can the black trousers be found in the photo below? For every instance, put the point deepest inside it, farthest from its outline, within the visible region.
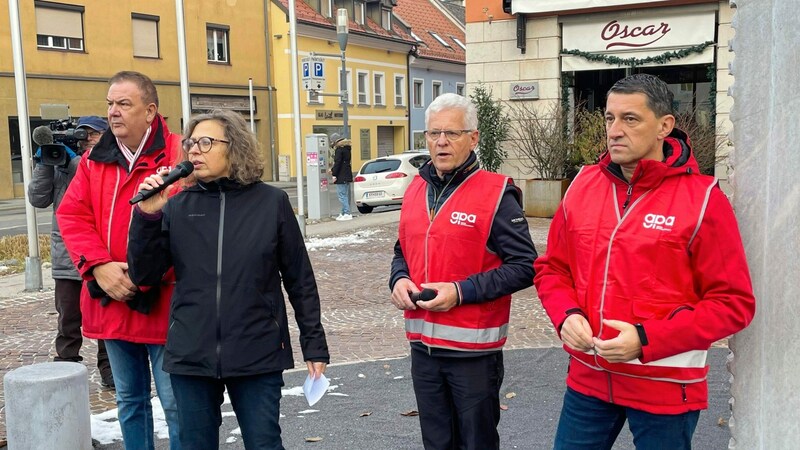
(69, 338)
(458, 400)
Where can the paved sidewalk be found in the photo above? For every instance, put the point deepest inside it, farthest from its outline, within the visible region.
(368, 353)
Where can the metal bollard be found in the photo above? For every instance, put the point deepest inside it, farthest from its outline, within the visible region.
(47, 406)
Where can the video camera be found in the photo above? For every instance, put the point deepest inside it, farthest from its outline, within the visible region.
(66, 132)
(57, 140)
(60, 134)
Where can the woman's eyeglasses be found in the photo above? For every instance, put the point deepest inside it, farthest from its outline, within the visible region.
(204, 143)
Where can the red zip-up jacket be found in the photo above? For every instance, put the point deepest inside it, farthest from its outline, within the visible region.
(94, 217)
(664, 251)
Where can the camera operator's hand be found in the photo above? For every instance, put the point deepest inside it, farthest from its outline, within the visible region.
(113, 279)
(155, 203)
(401, 298)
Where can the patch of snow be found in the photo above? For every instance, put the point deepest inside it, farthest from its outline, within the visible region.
(335, 241)
(106, 428)
(296, 391)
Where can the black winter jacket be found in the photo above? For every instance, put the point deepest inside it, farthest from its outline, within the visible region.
(230, 246)
(342, 168)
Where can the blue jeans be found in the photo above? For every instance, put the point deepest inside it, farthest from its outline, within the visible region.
(131, 370)
(255, 399)
(343, 191)
(590, 423)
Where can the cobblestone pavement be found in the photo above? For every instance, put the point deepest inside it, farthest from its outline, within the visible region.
(360, 322)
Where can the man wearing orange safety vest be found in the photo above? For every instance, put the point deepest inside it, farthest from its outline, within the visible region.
(462, 234)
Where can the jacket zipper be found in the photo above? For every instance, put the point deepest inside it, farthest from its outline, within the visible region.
(219, 281)
(610, 389)
(628, 196)
(683, 391)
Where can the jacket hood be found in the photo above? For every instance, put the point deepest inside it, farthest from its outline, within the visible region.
(342, 143)
(678, 160)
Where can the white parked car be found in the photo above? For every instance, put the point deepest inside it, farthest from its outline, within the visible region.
(383, 181)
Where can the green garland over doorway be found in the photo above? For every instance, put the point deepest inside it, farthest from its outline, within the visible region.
(633, 62)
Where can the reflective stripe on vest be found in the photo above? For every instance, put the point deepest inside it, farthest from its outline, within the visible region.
(420, 328)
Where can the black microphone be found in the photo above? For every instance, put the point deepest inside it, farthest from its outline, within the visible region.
(424, 295)
(42, 135)
(180, 171)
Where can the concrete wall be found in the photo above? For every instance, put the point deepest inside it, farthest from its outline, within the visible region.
(767, 201)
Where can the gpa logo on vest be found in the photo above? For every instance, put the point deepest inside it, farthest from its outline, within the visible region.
(658, 222)
(463, 219)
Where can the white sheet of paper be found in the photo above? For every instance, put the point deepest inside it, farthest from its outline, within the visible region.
(315, 389)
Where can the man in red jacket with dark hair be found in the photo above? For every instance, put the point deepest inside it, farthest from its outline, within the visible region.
(94, 217)
(644, 270)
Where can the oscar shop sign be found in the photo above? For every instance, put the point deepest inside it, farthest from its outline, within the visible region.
(638, 30)
(524, 91)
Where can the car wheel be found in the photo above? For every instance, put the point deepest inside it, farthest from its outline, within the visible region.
(365, 209)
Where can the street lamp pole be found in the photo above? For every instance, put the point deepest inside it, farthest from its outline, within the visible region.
(342, 29)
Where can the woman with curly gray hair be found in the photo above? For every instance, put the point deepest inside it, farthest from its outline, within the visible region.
(231, 239)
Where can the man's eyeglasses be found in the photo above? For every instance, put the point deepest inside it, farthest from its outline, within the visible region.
(451, 135)
(204, 143)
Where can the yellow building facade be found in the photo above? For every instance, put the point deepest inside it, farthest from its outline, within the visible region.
(377, 66)
(72, 48)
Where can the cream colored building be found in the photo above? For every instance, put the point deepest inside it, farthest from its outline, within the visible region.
(564, 47)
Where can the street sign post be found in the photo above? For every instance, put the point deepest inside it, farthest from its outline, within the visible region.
(313, 70)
